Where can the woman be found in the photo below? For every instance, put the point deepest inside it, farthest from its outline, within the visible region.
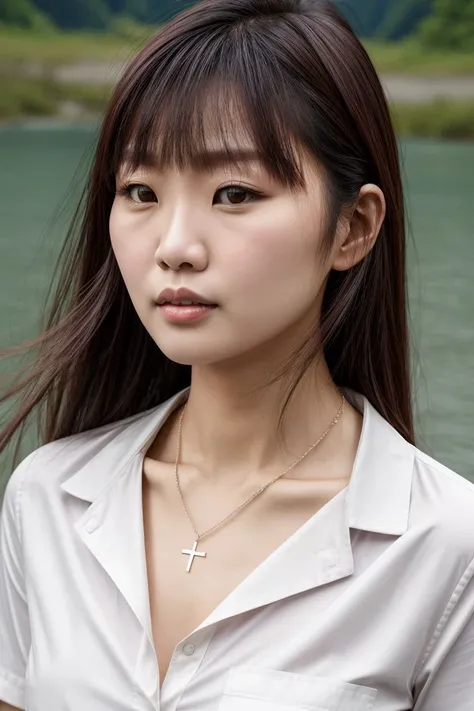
(229, 511)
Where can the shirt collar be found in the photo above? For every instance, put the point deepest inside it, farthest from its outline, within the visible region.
(378, 495)
(122, 443)
(380, 486)
(376, 499)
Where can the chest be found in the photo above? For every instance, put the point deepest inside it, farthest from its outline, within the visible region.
(309, 637)
(314, 651)
(188, 582)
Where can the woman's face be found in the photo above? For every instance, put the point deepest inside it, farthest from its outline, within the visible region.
(238, 239)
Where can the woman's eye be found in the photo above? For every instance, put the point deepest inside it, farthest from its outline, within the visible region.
(140, 193)
(235, 195)
(230, 195)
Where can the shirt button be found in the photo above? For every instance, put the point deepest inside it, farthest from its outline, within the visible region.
(189, 650)
(92, 525)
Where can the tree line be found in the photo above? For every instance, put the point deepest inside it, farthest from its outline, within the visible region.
(438, 23)
(447, 24)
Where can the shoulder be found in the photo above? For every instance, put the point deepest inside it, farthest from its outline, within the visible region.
(442, 488)
(49, 466)
(442, 506)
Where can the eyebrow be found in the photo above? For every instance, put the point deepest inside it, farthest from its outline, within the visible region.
(204, 161)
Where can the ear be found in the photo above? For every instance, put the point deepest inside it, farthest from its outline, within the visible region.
(357, 235)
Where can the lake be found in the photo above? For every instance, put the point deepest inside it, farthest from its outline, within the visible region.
(39, 178)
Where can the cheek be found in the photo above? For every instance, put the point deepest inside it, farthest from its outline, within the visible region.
(277, 261)
(132, 254)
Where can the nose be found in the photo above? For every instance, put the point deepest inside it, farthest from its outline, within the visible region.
(180, 246)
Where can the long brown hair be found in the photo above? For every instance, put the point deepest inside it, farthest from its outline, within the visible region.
(295, 74)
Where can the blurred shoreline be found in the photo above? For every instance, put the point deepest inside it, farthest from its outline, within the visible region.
(422, 107)
(399, 87)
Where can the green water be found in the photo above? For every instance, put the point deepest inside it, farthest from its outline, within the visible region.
(37, 165)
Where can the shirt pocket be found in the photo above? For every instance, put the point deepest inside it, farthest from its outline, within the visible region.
(249, 689)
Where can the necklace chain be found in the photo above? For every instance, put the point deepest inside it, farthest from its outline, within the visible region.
(257, 493)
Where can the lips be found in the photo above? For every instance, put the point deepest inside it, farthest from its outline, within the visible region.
(183, 306)
(183, 297)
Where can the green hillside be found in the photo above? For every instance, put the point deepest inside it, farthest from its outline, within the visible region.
(447, 24)
(25, 15)
(385, 19)
(450, 26)
(86, 14)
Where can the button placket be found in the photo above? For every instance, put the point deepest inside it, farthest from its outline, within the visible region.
(184, 665)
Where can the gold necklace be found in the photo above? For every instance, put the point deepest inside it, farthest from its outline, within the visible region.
(193, 552)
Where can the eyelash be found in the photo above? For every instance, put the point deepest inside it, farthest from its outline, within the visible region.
(126, 189)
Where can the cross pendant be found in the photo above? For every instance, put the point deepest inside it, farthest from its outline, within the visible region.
(192, 554)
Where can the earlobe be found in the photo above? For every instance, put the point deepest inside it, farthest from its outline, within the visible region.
(362, 228)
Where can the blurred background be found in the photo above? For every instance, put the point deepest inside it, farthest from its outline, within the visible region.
(59, 60)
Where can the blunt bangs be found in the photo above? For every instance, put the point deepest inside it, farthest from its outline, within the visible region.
(202, 97)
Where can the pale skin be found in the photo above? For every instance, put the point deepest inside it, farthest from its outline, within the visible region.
(183, 230)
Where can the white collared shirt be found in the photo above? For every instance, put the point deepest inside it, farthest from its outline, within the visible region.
(368, 606)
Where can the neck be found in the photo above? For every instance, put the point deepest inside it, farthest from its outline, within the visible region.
(232, 423)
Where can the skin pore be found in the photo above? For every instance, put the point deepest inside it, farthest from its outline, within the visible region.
(252, 246)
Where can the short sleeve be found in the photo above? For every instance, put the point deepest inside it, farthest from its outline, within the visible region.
(449, 683)
(14, 620)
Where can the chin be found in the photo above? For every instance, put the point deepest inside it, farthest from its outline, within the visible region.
(198, 354)
(188, 355)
